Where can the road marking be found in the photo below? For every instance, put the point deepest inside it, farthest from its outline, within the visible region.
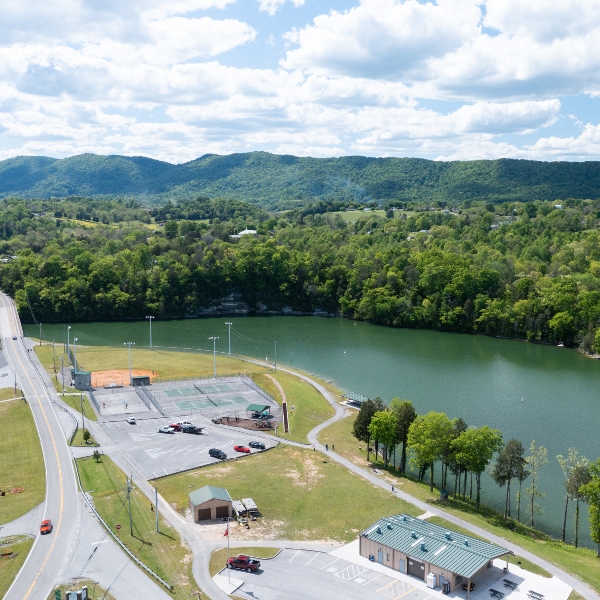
(293, 557)
(351, 571)
(396, 589)
(313, 558)
(101, 542)
(372, 580)
(329, 564)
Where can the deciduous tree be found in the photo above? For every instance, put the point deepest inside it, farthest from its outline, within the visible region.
(383, 428)
(591, 491)
(405, 414)
(510, 463)
(537, 458)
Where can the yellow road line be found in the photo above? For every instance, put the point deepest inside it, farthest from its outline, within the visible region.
(60, 477)
(392, 590)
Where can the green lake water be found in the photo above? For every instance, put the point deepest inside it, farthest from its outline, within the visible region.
(527, 391)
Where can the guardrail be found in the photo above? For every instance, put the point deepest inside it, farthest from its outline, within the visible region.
(152, 399)
(142, 397)
(134, 558)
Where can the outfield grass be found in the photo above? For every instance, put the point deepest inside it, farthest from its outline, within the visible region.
(302, 495)
(219, 557)
(580, 562)
(95, 592)
(165, 552)
(310, 408)
(9, 567)
(21, 461)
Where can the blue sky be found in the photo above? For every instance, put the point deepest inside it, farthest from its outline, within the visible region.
(175, 79)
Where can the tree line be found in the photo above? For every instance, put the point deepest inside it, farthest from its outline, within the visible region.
(464, 453)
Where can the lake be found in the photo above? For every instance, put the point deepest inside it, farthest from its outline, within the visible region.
(527, 391)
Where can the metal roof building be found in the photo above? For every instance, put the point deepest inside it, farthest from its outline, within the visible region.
(210, 502)
(418, 548)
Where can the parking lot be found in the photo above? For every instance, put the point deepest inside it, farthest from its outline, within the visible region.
(159, 454)
(306, 575)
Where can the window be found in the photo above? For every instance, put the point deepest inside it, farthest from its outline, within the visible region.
(387, 558)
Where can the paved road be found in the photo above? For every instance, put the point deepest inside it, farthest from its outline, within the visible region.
(50, 554)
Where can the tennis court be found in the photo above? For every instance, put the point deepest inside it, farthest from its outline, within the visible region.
(222, 402)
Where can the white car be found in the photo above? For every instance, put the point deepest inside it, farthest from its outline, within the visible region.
(131, 421)
(165, 430)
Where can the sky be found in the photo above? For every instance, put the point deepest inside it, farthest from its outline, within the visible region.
(177, 79)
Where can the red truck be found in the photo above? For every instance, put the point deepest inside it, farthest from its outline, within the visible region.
(243, 562)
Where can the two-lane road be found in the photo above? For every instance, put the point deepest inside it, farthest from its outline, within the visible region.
(51, 553)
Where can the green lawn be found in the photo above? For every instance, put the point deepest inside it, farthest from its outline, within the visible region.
(9, 567)
(580, 562)
(165, 552)
(310, 408)
(95, 592)
(219, 557)
(21, 461)
(78, 440)
(302, 495)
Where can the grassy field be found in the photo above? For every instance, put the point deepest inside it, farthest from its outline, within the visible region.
(21, 461)
(95, 592)
(581, 562)
(301, 494)
(9, 393)
(9, 567)
(165, 553)
(78, 440)
(219, 557)
(310, 408)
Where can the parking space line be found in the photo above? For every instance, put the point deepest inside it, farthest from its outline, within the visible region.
(372, 580)
(328, 565)
(293, 557)
(392, 590)
(313, 558)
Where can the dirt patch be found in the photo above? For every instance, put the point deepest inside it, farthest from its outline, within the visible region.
(309, 477)
(119, 377)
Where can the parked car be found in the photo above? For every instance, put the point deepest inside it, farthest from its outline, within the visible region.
(14, 337)
(242, 449)
(46, 526)
(191, 429)
(175, 426)
(257, 445)
(131, 421)
(182, 423)
(165, 430)
(243, 562)
(216, 453)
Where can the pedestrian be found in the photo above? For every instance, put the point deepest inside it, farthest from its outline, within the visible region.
(326, 446)
(332, 446)
(393, 488)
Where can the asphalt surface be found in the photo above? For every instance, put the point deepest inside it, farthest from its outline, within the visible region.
(50, 553)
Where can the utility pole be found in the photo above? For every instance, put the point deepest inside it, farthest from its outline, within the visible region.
(214, 339)
(82, 415)
(40, 334)
(75, 358)
(130, 370)
(275, 363)
(229, 325)
(54, 355)
(68, 344)
(156, 506)
(150, 319)
(129, 481)
(62, 375)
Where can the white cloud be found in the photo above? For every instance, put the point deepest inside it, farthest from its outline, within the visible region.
(272, 6)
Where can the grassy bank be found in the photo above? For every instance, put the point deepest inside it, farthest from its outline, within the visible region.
(95, 591)
(309, 407)
(20, 545)
(581, 562)
(21, 461)
(165, 553)
(79, 441)
(302, 495)
(219, 557)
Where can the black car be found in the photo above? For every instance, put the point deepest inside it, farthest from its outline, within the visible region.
(257, 445)
(191, 429)
(216, 453)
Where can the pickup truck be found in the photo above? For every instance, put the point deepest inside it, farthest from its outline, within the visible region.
(243, 562)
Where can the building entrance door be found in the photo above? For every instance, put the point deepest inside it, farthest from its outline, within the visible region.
(380, 557)
(416, 568)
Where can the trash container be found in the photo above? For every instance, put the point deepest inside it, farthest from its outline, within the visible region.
(446, 588)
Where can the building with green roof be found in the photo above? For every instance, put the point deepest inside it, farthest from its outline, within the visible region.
(418, 548)
(210, 503)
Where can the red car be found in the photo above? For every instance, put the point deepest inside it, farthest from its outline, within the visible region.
(242, 449)
(244, 562)
(46, 526)
(175, 426)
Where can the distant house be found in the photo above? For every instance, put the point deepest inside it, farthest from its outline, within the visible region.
(245, 232)
(210, 503)
(558, 206)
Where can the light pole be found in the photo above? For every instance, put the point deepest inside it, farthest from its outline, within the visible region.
(40, 334)
(130, 370)
(275, 362)
(214, 339)
(68, 344)
(75, 346)
(229, 326)
(82, 416)
(150, 319)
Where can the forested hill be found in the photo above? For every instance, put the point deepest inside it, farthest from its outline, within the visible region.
(277, 182)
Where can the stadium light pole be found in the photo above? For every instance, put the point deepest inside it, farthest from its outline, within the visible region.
(150, 319)
(68, 344)
(75, 346)
(214, 339)
(130, 371)
(229, 325)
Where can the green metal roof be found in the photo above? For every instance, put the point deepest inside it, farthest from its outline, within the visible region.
(258, 407)
(355, 397)
(209, 492)
(446, 549)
